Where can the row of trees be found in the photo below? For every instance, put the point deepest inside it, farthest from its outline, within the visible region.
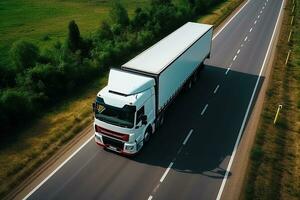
(40, 78)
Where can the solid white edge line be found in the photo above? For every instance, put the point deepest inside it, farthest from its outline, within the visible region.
(230, 20)
(204, 109)
(150, 197)
(52, 173)
(60, 166)
(187, 137)
(166, 172)
(248, 109)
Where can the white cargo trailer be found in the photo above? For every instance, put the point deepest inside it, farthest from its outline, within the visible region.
(132, 105)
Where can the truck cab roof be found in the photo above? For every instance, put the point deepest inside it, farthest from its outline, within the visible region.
(126, 88)
(126, 83)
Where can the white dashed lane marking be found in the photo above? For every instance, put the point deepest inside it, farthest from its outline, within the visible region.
(227, 71)
(166, 172)
(187, 137)
(204, 109)
(234, 57)
(216, 89)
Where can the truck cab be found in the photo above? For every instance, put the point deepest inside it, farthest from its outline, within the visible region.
(125, 112)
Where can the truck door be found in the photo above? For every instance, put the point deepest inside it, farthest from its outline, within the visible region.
(140, 127)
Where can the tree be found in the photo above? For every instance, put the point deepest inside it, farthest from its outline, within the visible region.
(163, 19)
(160, 2)
(140, 19)
(118, 14)
(24, 54)
(74, 39)
(201, 6)
(104, 31)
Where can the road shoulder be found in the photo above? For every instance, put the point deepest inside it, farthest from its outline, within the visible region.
(236, 182)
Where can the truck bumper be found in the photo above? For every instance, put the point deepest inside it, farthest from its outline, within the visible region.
(128, 148)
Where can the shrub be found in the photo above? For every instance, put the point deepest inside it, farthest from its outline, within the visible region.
(104, 32)
(161, 2)
(118, 14)
(7, 76)
(140, 19)
(15, 107)
(163, 19)
(256, 153)
(43, 79)
(24, 54)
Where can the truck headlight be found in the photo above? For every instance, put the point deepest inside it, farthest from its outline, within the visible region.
(98, 137)
(129, 148)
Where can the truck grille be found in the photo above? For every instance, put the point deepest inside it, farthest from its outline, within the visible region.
(111, 142)
(120, 136)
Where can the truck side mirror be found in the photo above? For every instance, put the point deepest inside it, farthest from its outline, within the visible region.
(94, 107)
(144, 119)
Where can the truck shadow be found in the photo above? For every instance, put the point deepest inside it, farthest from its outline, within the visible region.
(210, 146)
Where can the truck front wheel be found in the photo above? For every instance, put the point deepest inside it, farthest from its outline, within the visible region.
(147, 136)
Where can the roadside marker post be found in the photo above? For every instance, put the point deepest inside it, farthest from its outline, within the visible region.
(293, 8)
(277, 113)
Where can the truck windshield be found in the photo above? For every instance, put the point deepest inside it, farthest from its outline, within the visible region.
(123, 117)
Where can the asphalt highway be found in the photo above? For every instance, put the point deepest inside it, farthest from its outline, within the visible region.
(188, 157)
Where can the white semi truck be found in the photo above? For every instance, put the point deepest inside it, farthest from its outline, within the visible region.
(132, 105)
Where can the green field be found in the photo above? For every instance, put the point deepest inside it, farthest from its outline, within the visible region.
(45, 21)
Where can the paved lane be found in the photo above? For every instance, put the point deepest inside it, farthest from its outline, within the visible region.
(215, 113)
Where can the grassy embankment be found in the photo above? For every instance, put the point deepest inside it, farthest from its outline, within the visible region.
(274, 170)
(62, 123)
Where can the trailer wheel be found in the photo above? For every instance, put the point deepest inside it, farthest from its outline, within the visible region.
(190, 84)
(161, 119)
(195, 77)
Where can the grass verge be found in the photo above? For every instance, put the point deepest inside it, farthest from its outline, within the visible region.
(37, 144)
(274, 168)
